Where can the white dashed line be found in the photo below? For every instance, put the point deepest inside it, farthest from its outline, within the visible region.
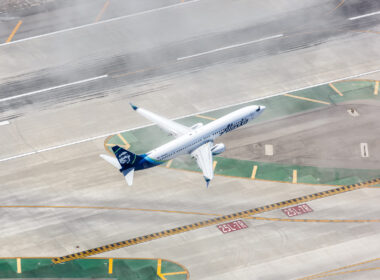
(231, 46)
(199, 113)
(366, 15)
(4, 123)
(103, 21)
(53, 88)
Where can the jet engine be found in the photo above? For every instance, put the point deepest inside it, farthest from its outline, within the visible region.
(218, 149)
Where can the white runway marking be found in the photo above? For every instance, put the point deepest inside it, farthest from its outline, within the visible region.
(53, 88)
(199, 113)
(231, 46)
(366, 15)
(103, 21)
(364, 149)
(4, 123)
(268, 150)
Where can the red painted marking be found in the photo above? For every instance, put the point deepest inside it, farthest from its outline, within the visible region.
(297, 210)
(232, 226)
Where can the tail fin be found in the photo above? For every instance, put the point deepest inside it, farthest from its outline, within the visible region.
(126, 161)
(126, 158)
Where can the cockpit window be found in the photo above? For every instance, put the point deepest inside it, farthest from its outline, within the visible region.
(258, 109)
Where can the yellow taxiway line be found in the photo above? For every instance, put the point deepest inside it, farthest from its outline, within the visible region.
(106, 4)
(332, 272)
(294, 176)
(335, 89)
(205, 117)
(110, 266)
(169, 163)
(340, 4)
(126, 144)
(376, 90)
(213, 221)
(214, 165)
(196, 213)
(14, 31)
(19, 265)
(254, 171)
(306, 99)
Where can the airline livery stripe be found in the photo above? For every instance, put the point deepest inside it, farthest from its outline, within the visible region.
(213, 221)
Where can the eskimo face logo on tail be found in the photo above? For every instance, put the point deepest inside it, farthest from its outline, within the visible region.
(124, 158)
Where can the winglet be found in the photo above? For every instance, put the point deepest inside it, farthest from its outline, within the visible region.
(133, 106)
(207, 181)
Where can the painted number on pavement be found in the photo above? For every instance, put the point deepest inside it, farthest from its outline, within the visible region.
(297, 210)
(232, 226)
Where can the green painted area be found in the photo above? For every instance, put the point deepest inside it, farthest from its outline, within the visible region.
(145, 139)
(123, 269)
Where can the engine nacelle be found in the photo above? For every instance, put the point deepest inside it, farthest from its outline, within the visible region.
(197, 125)
(218, 149)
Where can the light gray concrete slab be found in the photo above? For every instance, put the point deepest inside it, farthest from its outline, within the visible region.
(76, 176)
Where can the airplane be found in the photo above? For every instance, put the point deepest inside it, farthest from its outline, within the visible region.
(197, 141)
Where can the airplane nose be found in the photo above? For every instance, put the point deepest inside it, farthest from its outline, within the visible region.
(262, 107)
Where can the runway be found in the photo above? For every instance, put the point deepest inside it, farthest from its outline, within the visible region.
(68, 73)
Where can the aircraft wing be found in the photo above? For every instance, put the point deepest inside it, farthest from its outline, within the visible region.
(170, 126)
(203, 155)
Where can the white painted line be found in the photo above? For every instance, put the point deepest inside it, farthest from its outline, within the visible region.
(231, 46)
(189, 115)
(366, 15)
(103, 21)
(4, 123)
(268, 150)
(53, 88)
(364, 149)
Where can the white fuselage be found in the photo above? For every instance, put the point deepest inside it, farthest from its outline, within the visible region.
(187, 143)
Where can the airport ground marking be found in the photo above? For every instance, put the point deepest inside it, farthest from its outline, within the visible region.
(365, 15)
(340, 4)
(231, 47)
(14, 31)
(294, 181)
(335, 89)
(19, 270)
(194, 213)
(376, 89)
(348, 272)
(314, 220)
(185, 116)
(214, 165)
(365, 31)
(53, 88)
(4, 123)
(213, 221)
(105, 21)
(254, 171)
(341, 273)
(205, 117)
(337, 269)
(307, 99)
(126, 144)
(105, 6)
(173, 273)
(110, 260)
(169, 163)
(110, 266)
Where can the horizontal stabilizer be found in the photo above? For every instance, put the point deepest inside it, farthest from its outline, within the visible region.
(128, 175)
(113, 161)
